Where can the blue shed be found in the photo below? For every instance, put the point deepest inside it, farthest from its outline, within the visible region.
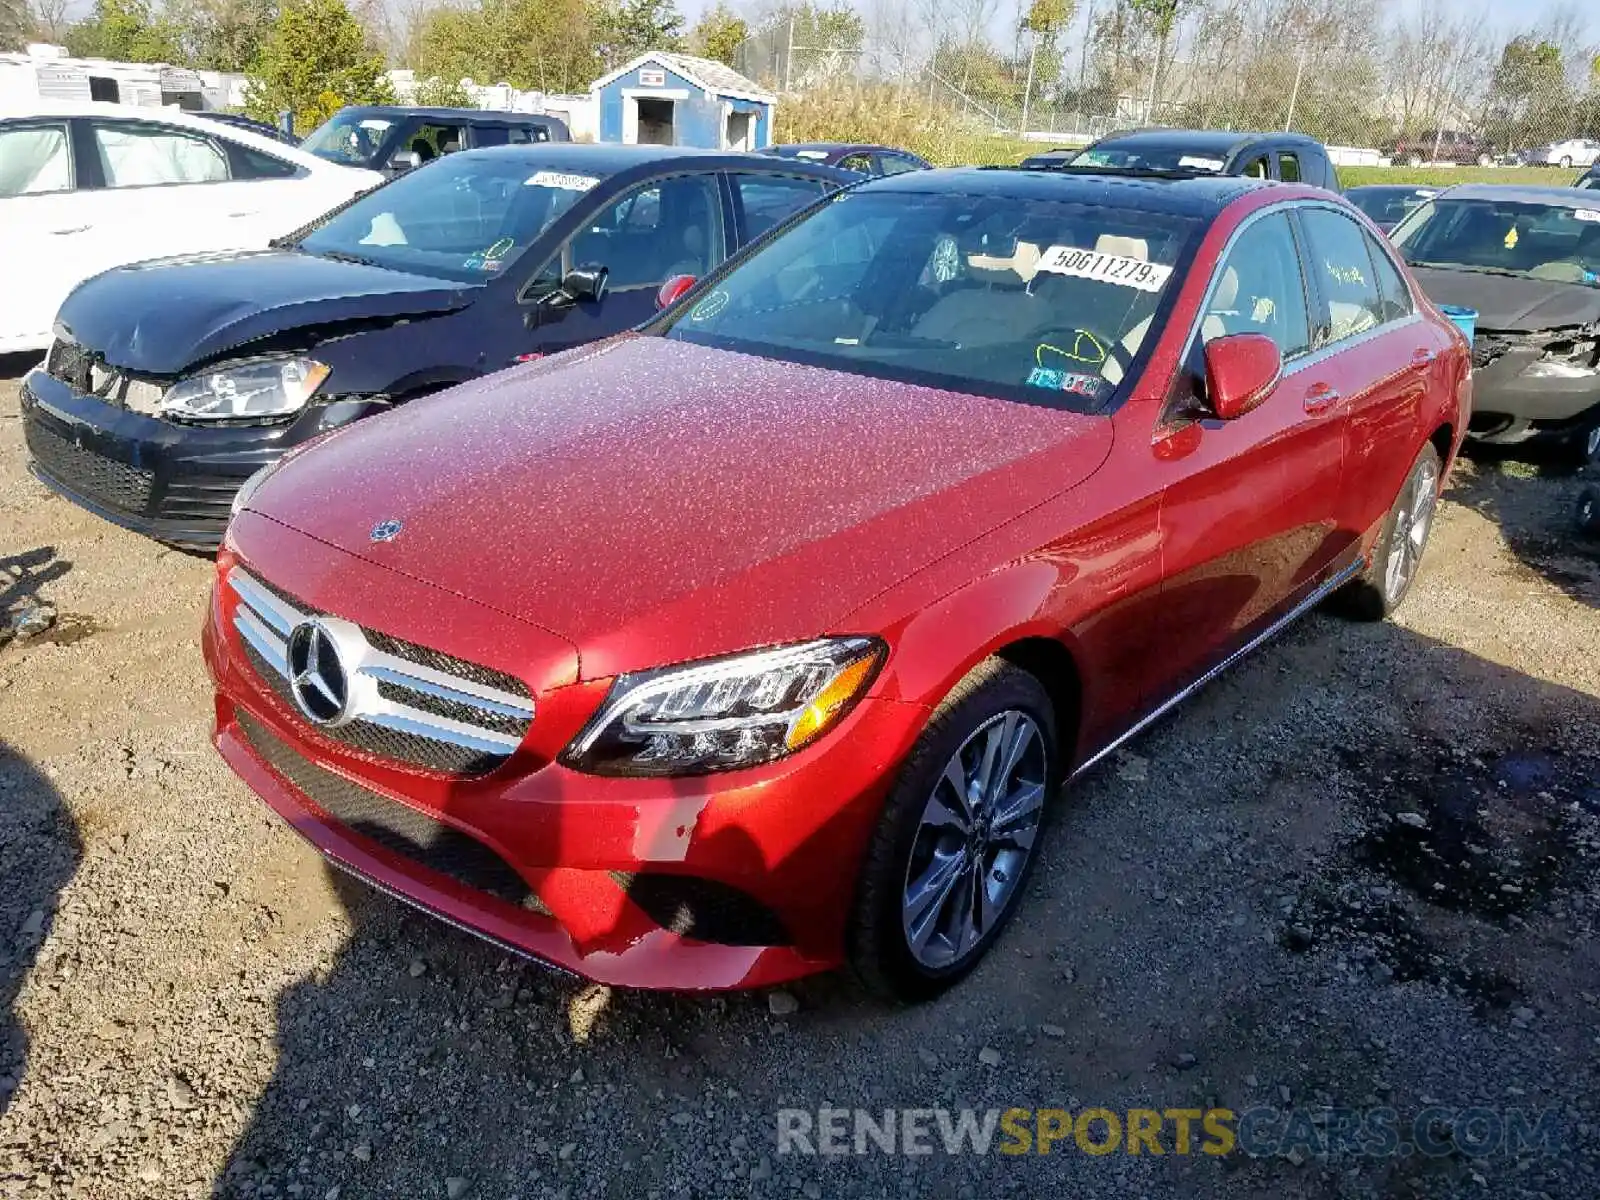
(663, 99)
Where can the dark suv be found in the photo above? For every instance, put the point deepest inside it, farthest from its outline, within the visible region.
(1291, 157)
(395, 139)
(1441, 145)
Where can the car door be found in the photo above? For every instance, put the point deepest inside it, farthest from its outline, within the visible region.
(1374, 354)
(42, 221)
(1247, 509)
(677, 225)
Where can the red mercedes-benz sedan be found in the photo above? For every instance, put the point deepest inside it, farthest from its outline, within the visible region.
(759, 641)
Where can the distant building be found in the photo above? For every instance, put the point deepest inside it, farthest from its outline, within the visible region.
(667, 99)
(45, 72)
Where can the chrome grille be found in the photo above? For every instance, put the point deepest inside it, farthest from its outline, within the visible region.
(403, 704)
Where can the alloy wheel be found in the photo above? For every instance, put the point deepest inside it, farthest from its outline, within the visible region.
(1412, 523)
(974, 839)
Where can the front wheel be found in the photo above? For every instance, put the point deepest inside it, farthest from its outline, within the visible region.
(958, 836)
(1566, 162)
(1388, 577)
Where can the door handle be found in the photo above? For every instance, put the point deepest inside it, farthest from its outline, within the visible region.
(1422, 356)
(1321, 397)
(74, 229)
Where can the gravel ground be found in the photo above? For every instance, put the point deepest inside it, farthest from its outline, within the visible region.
(1359, 871)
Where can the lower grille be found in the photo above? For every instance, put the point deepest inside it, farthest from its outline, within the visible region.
(394, 826)
(703, 909)
(117, 484)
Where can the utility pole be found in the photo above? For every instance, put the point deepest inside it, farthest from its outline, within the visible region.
(788, 66)
(1027, 92)
(1294, 96)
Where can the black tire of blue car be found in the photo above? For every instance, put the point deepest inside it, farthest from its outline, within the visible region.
(1374, 593)
(878, 947)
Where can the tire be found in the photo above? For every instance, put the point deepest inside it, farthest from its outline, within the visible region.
(1587, 513)
(1566, 162)
(1385, 582)
(906, 951)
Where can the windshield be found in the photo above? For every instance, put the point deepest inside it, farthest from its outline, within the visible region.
(464, 217)
(1505, 237)
(1387, 206)
(349, 139)
(1151, 158)
(1036, 300)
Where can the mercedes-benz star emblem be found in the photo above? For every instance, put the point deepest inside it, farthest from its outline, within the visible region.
(316, 674)
(387, 531)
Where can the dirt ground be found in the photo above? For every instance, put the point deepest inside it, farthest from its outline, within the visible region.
(1359, 872)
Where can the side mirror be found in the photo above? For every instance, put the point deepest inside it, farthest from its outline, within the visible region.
(672, 289)
(1241, 371)
(587, 282)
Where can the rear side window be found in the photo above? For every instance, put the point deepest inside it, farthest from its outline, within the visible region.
(769, 199)
(133, 155)
(1392, 290)
(1343, 270)
(34, 160)
(246, 162)
(502, 135)
(1289, 167)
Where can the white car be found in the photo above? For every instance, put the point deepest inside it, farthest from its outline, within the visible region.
(1574, 152)
(86, 186)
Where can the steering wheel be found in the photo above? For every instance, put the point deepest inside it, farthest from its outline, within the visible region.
(1084, 351)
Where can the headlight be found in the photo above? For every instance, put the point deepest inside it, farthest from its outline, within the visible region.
(270, 387)
(725, 713)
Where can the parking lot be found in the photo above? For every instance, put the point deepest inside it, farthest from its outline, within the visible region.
(1359, 872)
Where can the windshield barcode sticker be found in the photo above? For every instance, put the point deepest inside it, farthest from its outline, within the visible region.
(1108, 268)
(561, 181)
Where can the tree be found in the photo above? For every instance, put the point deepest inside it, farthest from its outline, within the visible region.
(128, 31)
(436, 92)
(50, 18)
(544, 45)
(827, 41)
(226, 35)
(718, 34)
(315, 61)
(1528, 97)
(628, 28)
(16, 24)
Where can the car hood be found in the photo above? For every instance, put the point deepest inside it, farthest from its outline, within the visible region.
(654, 501)
(1509, 304)
(157, 317)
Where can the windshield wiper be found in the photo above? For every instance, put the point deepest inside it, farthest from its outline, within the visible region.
(1448, 266)
(341, 256)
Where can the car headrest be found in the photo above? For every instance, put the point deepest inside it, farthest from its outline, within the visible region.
(1128, 247)
(1227, 293)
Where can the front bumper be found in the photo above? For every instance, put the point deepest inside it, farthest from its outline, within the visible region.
(1500, 389)
(171, 482)
(716, 882)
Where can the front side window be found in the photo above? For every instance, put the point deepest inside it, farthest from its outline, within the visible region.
(861, 163)
(428, 142)
(34, 160)
(1035, 300)
(1337, 247)
(148, 155)
(466, 219)
(1256, 168)
(1261, 289)
(769, 199)
(893, 164)
(1553, 242)
(664, 228)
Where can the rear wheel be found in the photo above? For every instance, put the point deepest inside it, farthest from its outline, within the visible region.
(1388, 577)
(950, 858)
(1566, 162)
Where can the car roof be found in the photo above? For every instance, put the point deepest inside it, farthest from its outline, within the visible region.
(1556, 197)
(167, 115)
(450, 114)
(789, 148)
(1182, 195)
(1376, 189)
(610, 158)
(1204, 141)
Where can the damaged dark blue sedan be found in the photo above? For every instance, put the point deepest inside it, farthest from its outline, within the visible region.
(171, 382)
